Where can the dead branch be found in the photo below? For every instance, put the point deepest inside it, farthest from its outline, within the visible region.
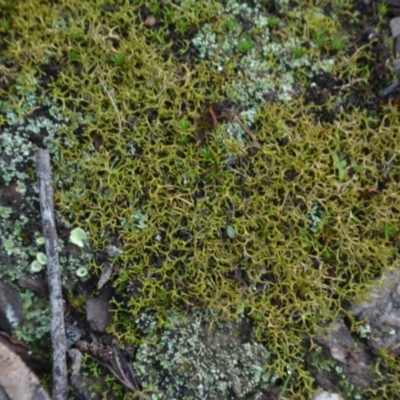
(58, 339)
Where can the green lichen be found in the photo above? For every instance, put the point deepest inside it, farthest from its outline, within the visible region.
(35, 328)
(5, 212)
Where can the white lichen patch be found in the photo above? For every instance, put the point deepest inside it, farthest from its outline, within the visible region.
(198, 358)
(269, 64)
(29, 121)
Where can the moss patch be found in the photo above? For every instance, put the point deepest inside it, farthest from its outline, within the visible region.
(157, 157)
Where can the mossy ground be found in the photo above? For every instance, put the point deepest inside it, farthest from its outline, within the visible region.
(286, 228)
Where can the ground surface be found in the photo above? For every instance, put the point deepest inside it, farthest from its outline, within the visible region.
(237, 159)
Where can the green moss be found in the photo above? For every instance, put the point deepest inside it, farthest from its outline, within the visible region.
(142, 169)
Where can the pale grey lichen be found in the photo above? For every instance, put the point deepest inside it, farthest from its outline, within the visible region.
(268, 71)
(201, 357)
(314, 217)
(29, 120)
(23, 128)
(5, 212)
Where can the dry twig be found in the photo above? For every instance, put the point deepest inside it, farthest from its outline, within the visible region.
(114, 104)
(59, 343)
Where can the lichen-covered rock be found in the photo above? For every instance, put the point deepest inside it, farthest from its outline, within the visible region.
(341, 363)
(198, 357)
(380, 309)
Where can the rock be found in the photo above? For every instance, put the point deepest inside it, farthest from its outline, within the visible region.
(393, 3)
(381, 310)
(395, 26)
(11, 313)
(354, 360)
(395, 30)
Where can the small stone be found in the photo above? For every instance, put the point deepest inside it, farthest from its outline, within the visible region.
(98, 313)
(327, 396)
(150, 21)
(396, 64)
(395, 26)
(73, 333)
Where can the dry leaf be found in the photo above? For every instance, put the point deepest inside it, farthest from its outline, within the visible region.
(98, 312)
(16, 380)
